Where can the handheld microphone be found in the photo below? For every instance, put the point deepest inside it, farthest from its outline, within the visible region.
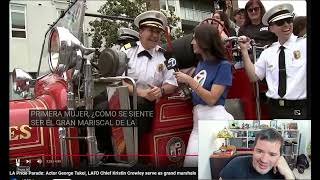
(171, 63)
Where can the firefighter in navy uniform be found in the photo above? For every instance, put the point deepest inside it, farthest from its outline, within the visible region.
(146, 64)
(283, 64)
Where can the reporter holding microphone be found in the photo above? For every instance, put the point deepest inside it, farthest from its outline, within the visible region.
(209, 86)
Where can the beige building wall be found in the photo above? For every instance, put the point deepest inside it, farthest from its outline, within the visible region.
(25, 52)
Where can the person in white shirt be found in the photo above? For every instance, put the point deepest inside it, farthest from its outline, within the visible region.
(146, 64)
(283, 65)
(125, 36)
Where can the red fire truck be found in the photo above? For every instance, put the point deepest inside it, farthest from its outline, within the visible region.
(67, 79)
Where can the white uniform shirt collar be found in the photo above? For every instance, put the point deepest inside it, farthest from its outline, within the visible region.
(288, 43)
(151, 51)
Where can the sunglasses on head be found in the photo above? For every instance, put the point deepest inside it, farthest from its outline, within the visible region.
(255, 9)
(282, 21)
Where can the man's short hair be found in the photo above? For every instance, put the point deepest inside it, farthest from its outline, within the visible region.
(271, 135)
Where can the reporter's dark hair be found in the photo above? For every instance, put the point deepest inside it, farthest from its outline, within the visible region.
(209, 40)
(271, 135)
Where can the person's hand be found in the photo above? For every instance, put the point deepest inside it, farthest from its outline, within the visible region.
(244, 42)
(145, 93)
(154, 92)
(182, 77)
(283, 168)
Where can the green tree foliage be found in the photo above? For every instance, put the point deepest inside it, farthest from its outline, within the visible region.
(105, 30)
(173, 20)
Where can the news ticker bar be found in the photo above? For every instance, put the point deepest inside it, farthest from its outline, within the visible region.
(102, 171)
(86, 118)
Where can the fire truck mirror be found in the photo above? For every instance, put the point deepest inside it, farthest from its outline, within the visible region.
(21, 82)
(54, 47)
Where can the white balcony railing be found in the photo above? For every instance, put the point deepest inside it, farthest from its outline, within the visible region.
(193, 15)
(62, 1)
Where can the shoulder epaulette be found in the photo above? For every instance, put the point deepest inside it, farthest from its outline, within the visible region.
(129, 45)
(269, 45)
(302, 37)
(162, 50)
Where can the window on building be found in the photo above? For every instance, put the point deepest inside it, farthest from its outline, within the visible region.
(171, 5)
(60, 12)
(172, 8)
(186, 4)
(167, 5)
(18, 21)
(163, 4)
(204, 6)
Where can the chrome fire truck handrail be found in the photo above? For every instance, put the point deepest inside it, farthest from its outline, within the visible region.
(62, 130)
(88, 94)
(258, 108)
(63, 146)
(135, 107)
(120, 78)
(91, 141)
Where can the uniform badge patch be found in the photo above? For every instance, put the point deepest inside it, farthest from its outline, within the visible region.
(127, 46)
(296, 54)
(160, 67)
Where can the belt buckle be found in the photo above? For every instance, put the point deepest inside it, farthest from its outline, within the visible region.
(281, 102)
